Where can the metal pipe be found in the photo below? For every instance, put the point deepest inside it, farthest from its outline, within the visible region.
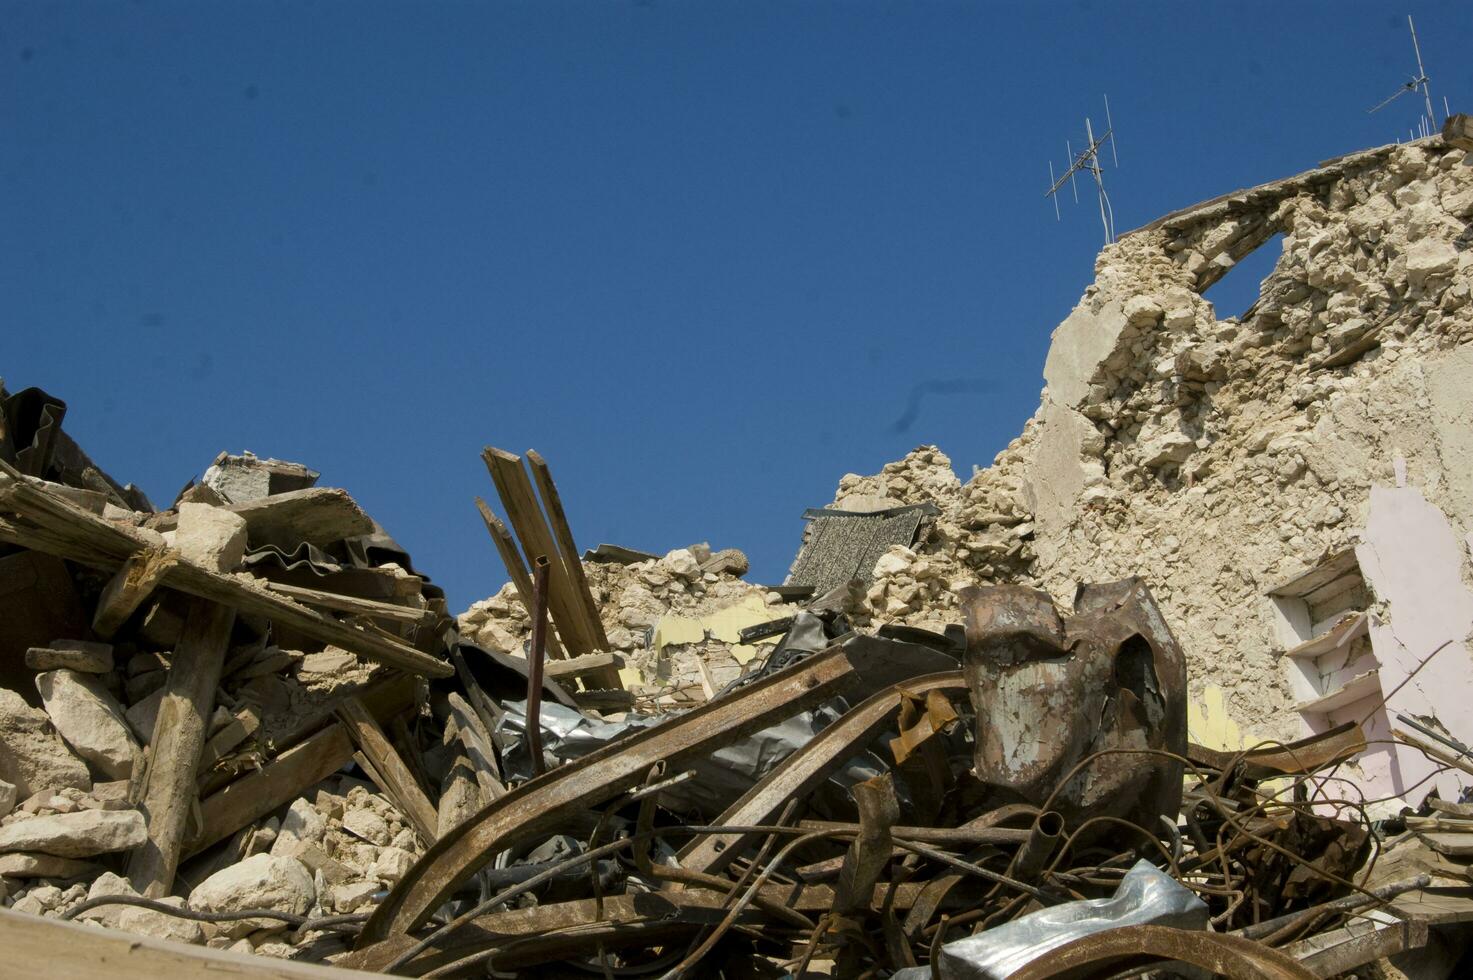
(1043, 840)
(540, 573)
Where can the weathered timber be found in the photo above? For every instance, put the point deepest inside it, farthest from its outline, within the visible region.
(130, 585)
(460, 793)
(224, 741)
(515, 490)
(393, 776)
(516, 569)
(557, 519)
(478, 747)
(168, 790)
(307, 761)
(350, 604)
(37, 947)
(589, 663)
(45, 522)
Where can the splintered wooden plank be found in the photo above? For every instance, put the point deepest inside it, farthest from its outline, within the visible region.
(388, 770)
(128, 588)
(478, 747)
(516, 569)
(1452, 843)
(582, 598)
(552, 503)
(589, 663)
(526, 519)
(305, 763)
(46, 522)
(37, 947)
(350, 604)
(178, 739)
(276, 784)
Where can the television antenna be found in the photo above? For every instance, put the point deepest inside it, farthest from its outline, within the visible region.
(1088, 161)
(1419, 81)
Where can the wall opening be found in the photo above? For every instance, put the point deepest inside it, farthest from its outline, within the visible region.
(1238, 289)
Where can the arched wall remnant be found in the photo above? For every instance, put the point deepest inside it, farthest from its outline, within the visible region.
(1219, 457)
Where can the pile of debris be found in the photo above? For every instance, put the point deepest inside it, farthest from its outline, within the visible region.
(247, 724)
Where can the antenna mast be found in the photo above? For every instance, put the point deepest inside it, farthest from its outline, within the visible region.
(1088, 161)
(1428, 123)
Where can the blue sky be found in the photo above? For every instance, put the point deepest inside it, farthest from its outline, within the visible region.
(705, 257)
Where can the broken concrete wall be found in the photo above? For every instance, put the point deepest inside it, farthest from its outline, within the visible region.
(1218, 456)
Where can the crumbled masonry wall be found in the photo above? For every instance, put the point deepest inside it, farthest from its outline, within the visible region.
(1216, 457)
(1219, 457)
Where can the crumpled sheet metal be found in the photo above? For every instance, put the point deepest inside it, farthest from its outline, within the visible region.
(1146, 896)
(721, 778)
(1050, 692)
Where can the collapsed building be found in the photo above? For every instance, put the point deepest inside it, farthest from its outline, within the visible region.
(1187, 662)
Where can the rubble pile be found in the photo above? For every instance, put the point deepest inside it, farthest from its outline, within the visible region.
(1177, 684)
(91, 698)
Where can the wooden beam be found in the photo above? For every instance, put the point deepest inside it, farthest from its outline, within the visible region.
(390, 773)
(460, 796)
(276, 784)
(604, 700)
(582, 598)
(557, 518)
(522, 509)
(37, 947)
(350, 604)
(46, 522)
(223, 742)
(516, 569)
(128, 588)
(309, 759)
(168, 792)
(479, 748)
(589, 663)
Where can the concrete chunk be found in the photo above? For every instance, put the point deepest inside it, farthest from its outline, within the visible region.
(240, 479)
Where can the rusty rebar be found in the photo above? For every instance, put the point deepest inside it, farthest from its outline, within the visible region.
(540, 572)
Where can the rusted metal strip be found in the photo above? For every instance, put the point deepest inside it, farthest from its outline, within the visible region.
(1294, 758)
(964, 836)
(917, 726)
(538, 807)
(800, 772)
(1131, 946)
(869, 854)
(633, 919)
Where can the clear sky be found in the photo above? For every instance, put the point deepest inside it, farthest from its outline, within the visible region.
(705, 257)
